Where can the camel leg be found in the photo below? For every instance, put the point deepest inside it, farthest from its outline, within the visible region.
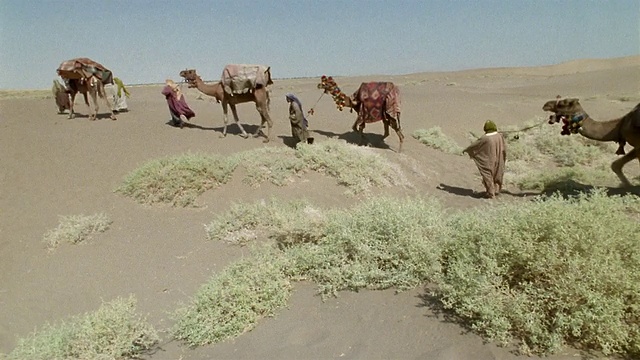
(386, 129)
(265, 118)
(358, 127)
(92, 113)
(234, 111)
(396, 126)
(617, 165)
(225, 118)
(400, 139)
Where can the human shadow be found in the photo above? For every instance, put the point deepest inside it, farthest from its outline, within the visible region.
(352, 137)
(291, 142)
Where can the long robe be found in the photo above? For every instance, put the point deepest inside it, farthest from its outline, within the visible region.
(298, 122)
(177, 106)
(489, 153)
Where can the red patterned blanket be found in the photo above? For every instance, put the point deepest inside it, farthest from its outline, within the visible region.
(375, 99)
(81, 68)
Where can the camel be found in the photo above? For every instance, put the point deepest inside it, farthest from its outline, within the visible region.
(374, 101)
(625, 129)
(92, 86)
(259, 95)
(83, 75)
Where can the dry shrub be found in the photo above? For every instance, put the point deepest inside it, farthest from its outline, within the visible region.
(548, 273)
(114, 331)
(76, 229)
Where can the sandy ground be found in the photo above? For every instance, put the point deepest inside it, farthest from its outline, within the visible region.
(52, 166)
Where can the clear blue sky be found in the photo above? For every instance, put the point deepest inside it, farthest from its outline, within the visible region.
(148, 41)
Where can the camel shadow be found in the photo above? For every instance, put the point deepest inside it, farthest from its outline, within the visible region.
(352, 137)
(232, 129)
(568, 188)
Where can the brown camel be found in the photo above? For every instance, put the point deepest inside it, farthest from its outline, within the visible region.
(374, 101)
(84, 75)
(92, 86)
(259, 95)
(625, 129)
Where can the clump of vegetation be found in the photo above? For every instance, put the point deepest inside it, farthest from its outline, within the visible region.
(177, 180)
(548, 273)
(379, 244)
(76, 229)
(114, 331)
(435, 138)
(233, 301)
(241, 223)
(355, 167)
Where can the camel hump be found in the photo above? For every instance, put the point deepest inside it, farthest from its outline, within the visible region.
(244, 78)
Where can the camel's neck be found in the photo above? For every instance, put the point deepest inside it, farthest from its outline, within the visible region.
(600, 130)
(206, 88)
(340, 98)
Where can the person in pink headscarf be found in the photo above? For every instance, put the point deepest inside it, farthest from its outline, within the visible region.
(177, 104)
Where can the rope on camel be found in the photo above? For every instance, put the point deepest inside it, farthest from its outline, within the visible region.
(330, 87)
(524, 129)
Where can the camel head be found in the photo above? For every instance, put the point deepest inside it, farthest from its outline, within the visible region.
(569, 111)
(267, 74)
(331, 87)
(190, 76)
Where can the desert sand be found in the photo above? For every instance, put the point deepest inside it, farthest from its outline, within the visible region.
(52, 166)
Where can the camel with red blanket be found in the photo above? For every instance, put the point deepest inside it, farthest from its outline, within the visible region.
(239, 84)
(373, 101)
(86, 76)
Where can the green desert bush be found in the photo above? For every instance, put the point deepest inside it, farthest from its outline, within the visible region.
(548, 273)
(355, 167)
(240, 224)
(435, 138)
(381, 243)
(233, 301)
(114, 331)
(76, 229)
(358, 168)
(177, 180)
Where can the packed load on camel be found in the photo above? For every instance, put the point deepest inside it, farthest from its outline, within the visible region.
(84, 68)
(85, 76)
(244, 78)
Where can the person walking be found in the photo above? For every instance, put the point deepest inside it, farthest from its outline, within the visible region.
(489, 153)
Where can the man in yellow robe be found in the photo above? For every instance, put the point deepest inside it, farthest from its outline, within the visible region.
(489, 153)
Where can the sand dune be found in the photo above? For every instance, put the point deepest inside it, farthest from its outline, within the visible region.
(54, 166)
